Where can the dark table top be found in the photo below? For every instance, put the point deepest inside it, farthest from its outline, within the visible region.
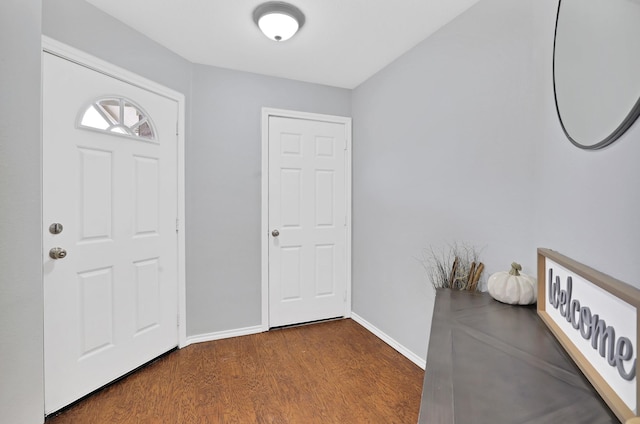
(493, 363)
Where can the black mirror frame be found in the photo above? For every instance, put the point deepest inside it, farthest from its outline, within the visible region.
(617, 133)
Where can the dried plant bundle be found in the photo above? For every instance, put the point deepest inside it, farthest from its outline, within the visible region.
(457, 267)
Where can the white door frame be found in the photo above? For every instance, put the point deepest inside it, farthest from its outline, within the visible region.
(84, 59)
(265, 231)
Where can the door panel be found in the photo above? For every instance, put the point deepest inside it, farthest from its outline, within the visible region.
(96, 315)
(111, 303)
(308, 207)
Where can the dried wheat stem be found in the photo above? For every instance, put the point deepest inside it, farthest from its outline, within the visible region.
(472, 269)
(452, 276)
(477, 274)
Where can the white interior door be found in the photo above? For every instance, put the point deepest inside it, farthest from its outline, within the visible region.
(308, 221)
(111, 302)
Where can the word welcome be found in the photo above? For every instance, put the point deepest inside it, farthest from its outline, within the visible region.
(592, 327)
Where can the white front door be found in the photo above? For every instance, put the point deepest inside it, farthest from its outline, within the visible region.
(308, 222)
(111, 301)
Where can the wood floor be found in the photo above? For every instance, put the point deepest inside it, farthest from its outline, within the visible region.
(330, 372)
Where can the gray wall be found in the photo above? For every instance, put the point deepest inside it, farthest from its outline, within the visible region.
(85, 27)
(223, 197)
(443, 154)
(21, 344)
(587, 203)
(458, 140)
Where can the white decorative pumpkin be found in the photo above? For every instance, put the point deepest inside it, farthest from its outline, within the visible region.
(512, 287)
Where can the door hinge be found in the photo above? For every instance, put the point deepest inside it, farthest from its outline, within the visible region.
(177, 128)
(177, 224)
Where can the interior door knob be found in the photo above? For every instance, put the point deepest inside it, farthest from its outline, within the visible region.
(275, 233)
(57, 253)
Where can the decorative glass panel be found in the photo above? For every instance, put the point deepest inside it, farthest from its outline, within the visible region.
(117, 116)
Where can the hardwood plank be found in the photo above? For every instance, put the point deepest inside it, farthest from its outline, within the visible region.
(330, 372)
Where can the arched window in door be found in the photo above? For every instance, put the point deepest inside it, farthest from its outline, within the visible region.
(117, 116)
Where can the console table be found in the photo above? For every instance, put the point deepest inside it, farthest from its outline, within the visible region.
(493, 363)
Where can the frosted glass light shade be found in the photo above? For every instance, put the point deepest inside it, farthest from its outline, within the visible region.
(278, 20)
(278, 26)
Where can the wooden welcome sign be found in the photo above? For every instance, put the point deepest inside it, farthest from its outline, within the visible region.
(595, 318)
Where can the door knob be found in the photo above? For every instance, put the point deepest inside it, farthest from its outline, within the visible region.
(275, 233)
(57, 253)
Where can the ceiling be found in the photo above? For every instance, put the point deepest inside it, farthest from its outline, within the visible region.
(342, 43)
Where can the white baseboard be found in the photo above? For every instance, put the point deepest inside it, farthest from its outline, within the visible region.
(219, 335)
(390, 341)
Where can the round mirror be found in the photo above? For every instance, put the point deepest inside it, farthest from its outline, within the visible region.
(596, 69)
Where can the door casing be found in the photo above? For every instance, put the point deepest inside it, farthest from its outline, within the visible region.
(84, 59)
(265, 230)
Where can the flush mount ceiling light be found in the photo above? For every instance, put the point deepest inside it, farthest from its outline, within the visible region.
(278, 20)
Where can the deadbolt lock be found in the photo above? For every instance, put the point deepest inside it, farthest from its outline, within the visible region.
(55, 228)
